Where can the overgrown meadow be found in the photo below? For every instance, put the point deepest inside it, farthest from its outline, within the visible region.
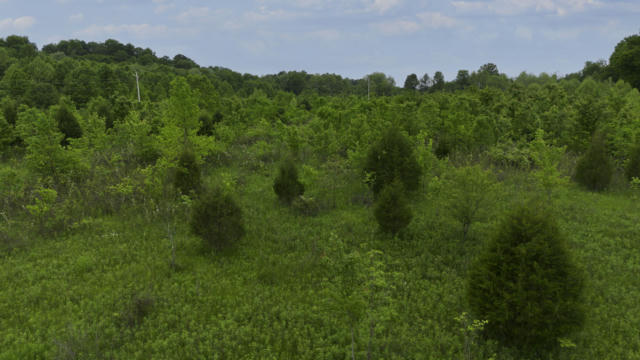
(99, 258)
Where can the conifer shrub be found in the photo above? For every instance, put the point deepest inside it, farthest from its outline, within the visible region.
(187, 174)
(633, 166)
(287, 185)
(217, 219)
(594, 169)
(207, 123)
(390, 158)
(67, 124)
(525, 283)
(392, 210)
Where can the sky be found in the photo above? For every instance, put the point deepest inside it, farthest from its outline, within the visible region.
(351, 38)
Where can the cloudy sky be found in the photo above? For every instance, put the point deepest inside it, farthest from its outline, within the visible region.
(348, 37)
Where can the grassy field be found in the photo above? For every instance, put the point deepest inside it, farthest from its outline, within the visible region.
(106, 289)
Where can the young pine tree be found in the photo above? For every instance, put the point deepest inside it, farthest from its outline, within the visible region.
(390, 158)
(187, 175)
(217, 219)
(67, 122)
(594, 169)
(286, 185)
(392, 210)
(525, 283)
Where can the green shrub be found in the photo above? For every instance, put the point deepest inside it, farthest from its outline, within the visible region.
(633, 166)
(392, 210)
(594, 169)
(217, 219)
(208, 122)
(9, 108)
(525, 283)
(67, 123)
(392, 157)
(287, 186)
(187, 175)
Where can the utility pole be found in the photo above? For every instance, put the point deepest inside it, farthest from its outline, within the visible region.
(368, 87)
(138, 86)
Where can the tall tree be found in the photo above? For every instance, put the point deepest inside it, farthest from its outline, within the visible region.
(425, 82)
(183, 108)
(489, 68)
(381, 84)
(438, 81)
(411, 82)
(625, 61)
(463, 79)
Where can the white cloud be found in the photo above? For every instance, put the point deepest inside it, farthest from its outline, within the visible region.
(338, 6)
(424, 20)
(204, 15)
(194, 13)
(398, 27)
(19, 24)
(516, 7)
(382, 6)
(263, 14)
(162, 7)
(76, 17)
(436, 20)
(137, 30)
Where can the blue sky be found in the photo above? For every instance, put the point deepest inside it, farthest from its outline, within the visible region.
(347, 37)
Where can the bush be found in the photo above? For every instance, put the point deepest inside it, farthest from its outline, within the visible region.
(633, 166)
(525, 283)
(217, 219)
(287, 186)
(392, 210)
(392, 157)
(187, 175)
(594, 169)
(67, 123)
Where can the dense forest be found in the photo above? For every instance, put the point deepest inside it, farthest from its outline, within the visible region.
(154, 208)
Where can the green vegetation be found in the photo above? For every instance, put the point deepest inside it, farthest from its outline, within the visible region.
(392, 210)
(633, 166)
(217, 219)
(106, 206)
(525, 284)
(594, 169)
(287, 185)
(187, 176)
(391, 158)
